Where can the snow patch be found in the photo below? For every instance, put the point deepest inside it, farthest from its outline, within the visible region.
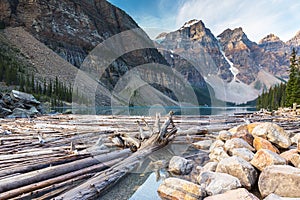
(189, 24)
(233, 69)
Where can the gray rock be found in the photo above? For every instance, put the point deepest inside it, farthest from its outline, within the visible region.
(273, 133)
(180, 166)
(19, 113)
(218, 154)
(239, 168)
(265, 157)
(244, 153)
(203, 145)
(4, 112)
(282, 180)
(237, 143)
(24, 97)
(7, 100)
(218, 183)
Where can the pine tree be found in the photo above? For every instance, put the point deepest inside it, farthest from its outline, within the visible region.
(291, 85)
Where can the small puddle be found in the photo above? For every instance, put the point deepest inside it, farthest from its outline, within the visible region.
(142, 184)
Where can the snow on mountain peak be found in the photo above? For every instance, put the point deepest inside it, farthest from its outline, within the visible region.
(190, 23)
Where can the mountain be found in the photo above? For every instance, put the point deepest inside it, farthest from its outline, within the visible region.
(295, 42)
(72, 29)
(236, 68)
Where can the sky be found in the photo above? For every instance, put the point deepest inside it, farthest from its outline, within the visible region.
(258, 18)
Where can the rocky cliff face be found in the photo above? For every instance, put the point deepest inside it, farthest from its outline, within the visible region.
(72, 28)
(241, 52)
(295, 42)
(231, 62)
(196, 52)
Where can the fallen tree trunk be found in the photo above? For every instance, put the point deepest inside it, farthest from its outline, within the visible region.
(62, 178)
(50, 172)
(28, 168)
(92, 188)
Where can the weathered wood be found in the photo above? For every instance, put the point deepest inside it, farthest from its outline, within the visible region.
(50, 172)
(28, 168)
(58, 179)
(93, 187)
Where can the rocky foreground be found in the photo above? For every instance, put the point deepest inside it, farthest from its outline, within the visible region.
(66, 156)
(249, 161)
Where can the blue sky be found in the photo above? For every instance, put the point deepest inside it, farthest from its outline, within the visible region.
(258, 18)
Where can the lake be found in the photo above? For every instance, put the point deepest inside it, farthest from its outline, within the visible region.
(152, 110)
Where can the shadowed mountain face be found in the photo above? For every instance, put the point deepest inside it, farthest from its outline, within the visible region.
(72, 28)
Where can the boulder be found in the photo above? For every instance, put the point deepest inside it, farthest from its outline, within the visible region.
(19, 105)
(265, 157)
(242, 131)
(218, 154)
(218, 183)
(282, 180)
(273, 133)
(276, 197)
(251, 126)
(288, 155)
(237, 194)
(261, 143)
(19, 113)
(203, 145)
(217, 143)
(295, 138)
(224, 135)
(2, 103)
(24, 97)
(180, 166)
(209, 167)
(244, 153)
(237, 143)
(7, 100)
(4, 111)
(176, 189)
(295, 160)
(239, 168)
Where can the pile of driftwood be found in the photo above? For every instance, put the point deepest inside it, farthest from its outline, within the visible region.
(78, 157)
(47, 156)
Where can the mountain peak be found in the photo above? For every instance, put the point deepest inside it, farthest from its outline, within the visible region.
(237, 32)
(161, 35)
(269, 39)
(192, 23)
(295, 41)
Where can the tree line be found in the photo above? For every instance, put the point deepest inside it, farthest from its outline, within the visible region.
(285, 94)
(53, 91)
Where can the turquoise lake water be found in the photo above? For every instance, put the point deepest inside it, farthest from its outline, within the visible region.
(151, 110)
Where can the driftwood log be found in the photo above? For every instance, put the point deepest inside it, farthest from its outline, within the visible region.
(95, 186)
